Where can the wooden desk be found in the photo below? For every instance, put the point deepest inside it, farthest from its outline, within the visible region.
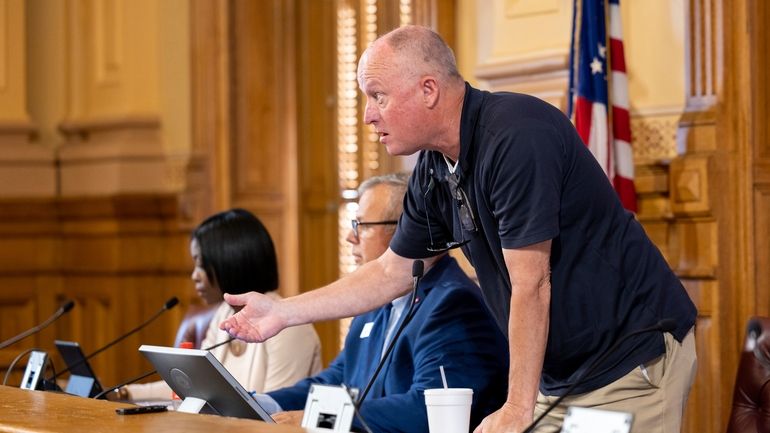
(38, 411)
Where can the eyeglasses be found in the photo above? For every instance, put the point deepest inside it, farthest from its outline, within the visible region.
(461, 199)
(356, 224)
(467, 220)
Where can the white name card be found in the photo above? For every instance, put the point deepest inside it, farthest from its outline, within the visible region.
(584, 420)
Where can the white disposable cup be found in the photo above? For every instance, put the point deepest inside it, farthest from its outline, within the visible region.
(449, 409)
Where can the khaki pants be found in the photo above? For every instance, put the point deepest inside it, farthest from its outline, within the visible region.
(656, 393)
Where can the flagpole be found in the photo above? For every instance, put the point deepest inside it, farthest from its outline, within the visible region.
(610, 99)
(576, 29)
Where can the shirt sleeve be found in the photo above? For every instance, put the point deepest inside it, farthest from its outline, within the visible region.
(268, 403)
(524, 178)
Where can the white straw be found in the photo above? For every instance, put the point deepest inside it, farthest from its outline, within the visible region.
(443, 376)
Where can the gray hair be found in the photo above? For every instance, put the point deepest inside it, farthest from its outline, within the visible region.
(422, 43)
(397, 184)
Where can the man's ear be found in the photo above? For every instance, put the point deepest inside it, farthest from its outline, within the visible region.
(430, 90)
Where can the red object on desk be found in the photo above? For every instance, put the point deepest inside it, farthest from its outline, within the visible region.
(182, 345)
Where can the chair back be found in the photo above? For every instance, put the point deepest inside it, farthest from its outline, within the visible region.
(751, 395)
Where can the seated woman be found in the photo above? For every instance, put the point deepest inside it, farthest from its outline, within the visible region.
(233, 253)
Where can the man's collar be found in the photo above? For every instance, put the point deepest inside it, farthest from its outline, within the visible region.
(468, 120)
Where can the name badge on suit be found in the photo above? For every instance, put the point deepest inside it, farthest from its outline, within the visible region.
(366, 331)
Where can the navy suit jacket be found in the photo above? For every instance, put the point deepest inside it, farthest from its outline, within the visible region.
(451, 326)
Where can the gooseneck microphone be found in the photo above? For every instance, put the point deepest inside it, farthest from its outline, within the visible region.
(149, 373)
(418, 267)
(171, 303)
(663, 325)
(115, 388)
(64, 309)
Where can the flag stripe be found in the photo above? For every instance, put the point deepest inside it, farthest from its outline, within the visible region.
(583, 118)
(619, 90)
(598, 139)
(621, 124)
(599, 87)
(618, 58)
(615, 28)
(624, 159)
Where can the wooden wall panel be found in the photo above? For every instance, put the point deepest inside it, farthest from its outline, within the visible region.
(210, 100)
(716, 200)
(263, 151)
(18, 310)
(268, 138)
(692, 184)
(759, 16)
(707, 378)
(262, 81)
(762, 256)
(316, 95)
(118, 258)
(706, 220)
(690, 192)
(697, 248)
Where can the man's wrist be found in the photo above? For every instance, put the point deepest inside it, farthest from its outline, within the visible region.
(282, 309)
(518, 409)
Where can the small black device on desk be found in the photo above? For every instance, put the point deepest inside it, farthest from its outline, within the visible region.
(141, 409)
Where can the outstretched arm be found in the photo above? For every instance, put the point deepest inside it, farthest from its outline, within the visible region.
(370, 286)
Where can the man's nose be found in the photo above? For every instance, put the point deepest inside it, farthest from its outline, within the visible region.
(351, 237)
(370, 114)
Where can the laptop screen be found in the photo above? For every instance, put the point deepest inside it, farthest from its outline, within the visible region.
(82, 381)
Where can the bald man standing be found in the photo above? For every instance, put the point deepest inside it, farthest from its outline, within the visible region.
(565, 270)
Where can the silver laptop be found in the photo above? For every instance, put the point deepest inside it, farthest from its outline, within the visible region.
(203, 383)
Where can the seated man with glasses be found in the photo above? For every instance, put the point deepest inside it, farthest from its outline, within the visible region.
(451, 327)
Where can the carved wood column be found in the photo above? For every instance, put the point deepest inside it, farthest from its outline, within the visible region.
(26, 167)
(210, 101)
(711, 200)
(317, 155)
(759, 120)
(126, 121)
(263, 155)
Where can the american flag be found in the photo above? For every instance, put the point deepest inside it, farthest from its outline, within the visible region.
(592, 91)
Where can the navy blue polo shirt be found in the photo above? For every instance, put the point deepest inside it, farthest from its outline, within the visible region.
(529, 178)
